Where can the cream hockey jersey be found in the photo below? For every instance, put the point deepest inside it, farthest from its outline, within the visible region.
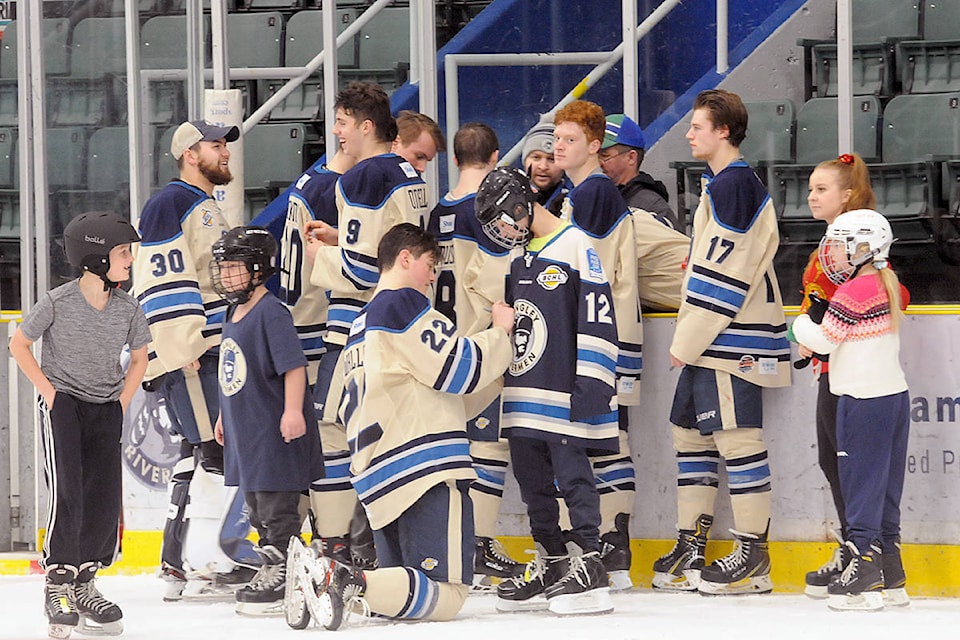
(372, 197)
(732, 317)
(406, 373)
(596, 207)
(312, 197)
(171, 275)
(661, 251)
(472, 266)
(560, 385)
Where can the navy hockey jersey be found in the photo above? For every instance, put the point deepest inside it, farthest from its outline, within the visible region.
(560, 385)
(372, 197)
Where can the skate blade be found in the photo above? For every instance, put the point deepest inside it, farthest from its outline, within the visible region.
(689, 581)
(817, 593)
(260, 609)
(483, 584)
(866, 601)
(896, 598)
(59, 630)
(536, 603)
(206, 591)
(620, 580)
(88, 627)
(747, 586)
(595, 601)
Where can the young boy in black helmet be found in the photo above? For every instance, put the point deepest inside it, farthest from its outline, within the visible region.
(267, 424)
(85, 325)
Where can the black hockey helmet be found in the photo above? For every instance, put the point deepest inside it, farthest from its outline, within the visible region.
(256, 248)
(89, 238)
(504, 198)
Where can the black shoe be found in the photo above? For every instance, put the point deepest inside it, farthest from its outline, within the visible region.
(860, 586)
(680, 569)
(60, 601)
(818, 581)
(490, 559)
(522, 593)
(98, 616)
(584, 588)
(264, 595)
(745, 570)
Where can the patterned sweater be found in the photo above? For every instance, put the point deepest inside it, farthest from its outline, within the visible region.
(858, 334)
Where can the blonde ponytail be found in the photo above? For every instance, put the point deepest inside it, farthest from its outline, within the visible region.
(892, 284)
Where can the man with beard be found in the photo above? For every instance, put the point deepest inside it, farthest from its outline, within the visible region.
(547, 178)
(179, 225)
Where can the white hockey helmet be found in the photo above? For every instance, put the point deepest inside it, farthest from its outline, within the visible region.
(855, 238)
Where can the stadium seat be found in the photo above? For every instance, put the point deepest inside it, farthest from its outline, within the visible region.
(769, 132)
(817, 137)
(304, 104)
(940, 20)
(162, 42)
(875, 20)
(83, 102)
(384, 50)
(66, 157)
(56, 59)
(8, 157)
(929, 66)
(305, 37)
(166, 169)
(278, 157)
(872, 70)
(10, 213)
(98, 47)
(268, 5)
(108, 166)
(915, 126)
(255, 39)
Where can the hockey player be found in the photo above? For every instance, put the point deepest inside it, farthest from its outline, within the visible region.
(470, 280)
(418, 140)
(406, 373)
(731, 342)
(596, 207)
(267, 423)
(559, 399)
(178, 225)
(83, 393)
(382, 190)
(859, 332)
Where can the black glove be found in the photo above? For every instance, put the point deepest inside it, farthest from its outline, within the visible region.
(211, 456)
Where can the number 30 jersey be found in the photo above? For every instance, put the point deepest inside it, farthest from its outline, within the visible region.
(560, 385)
(171, 275)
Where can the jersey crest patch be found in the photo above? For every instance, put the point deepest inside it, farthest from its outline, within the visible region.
(529, 337)
(359, 324)
(429, 564)
(303, 180)
(448, 223)
(552, 277)
(408, 170)
(593, 260)
(233, 367)
(206, 219)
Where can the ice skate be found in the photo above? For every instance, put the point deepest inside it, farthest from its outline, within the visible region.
(263, 596)
(339, 594)
(894, 578)
(335, 548)
(98, 616)
(616, 555)
(59, 601)
(818, 581)
(585, 587)
(860, 586)
(525, 592)
(208, 585)
(745, 570)
(176, 583)
(491, 565)
(680, 569)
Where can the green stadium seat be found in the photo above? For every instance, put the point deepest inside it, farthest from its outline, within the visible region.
(8, 157)
(872, 70)
(163, 42)
(817, 137)
(56, 59)
(876, 20)
(304, 38)
(929, 66)
(384, 50)
(940, 19)
(166, 169)
(66, 157)
(255, 39)
(98, 48)
(279, 155)
(769, 132)
(108, 160)
(918, 126)
(10, 214)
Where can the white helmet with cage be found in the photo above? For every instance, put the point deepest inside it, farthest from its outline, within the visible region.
(855, 238)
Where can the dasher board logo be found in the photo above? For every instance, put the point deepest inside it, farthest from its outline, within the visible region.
(233, 367)
(150, 445)
(529, 337)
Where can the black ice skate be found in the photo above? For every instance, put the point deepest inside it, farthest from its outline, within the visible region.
(335, 548)
(745, 570)
(818, 581)
(59, 600)
(616, 555)
(98, 616)
(894, 578)
(585, 586)
(342, 595)
(680, 569)
(525, 592)
(860, 586)
(263, 596)
(491, 565)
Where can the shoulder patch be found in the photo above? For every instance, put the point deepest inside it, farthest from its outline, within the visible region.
(303, 180)
(448, 223)
(593, 263)
(408, 170)
(359, 324)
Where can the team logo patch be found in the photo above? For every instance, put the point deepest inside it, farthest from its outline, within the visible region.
(429, 564)
(303, 180)
(448, 223)
(593, 261)
(359, 324)
(206, 219)
(552, 277)
(746, 364)
(529, 337)
(150, 447)
(482, 422)
(233, 367)
(408, 170)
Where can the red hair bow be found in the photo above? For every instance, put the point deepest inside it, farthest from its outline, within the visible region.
(845, 158)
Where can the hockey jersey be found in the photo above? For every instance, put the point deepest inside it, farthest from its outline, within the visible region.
(560, 385)
(171, 275)
(405, 375)
(472, 266)
(661, 251)
(372, 197)
(596, 207)
(312, 197)
(732, 316)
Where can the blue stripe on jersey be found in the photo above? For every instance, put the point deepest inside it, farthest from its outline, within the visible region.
(596, 357)
(432, 454)
(184, 301)
(462, 369)
(719, 294)
(422, 595)
(557, 412)
(337, 478)
(763, 345)
(360, 270)
(497, 476)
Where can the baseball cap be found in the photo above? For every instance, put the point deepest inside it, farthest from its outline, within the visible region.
(190, 133)
(540, 138)
(622, 130)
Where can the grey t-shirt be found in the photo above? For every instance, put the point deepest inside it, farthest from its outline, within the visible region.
(81, 345)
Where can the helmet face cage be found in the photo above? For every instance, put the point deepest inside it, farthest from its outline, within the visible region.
(503, 200)
(854, 239)
(255, 248)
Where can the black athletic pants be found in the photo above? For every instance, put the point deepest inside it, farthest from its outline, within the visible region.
(827, 445)
(275, 515)
(81, 448)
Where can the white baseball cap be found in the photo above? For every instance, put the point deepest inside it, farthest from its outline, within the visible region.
(190, 133)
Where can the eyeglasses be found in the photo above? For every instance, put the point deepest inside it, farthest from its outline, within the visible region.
(604, 160)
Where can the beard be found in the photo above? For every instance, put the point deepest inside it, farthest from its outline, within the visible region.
(214, 173)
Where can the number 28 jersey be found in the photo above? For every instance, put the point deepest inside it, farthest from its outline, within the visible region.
(560, 385)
